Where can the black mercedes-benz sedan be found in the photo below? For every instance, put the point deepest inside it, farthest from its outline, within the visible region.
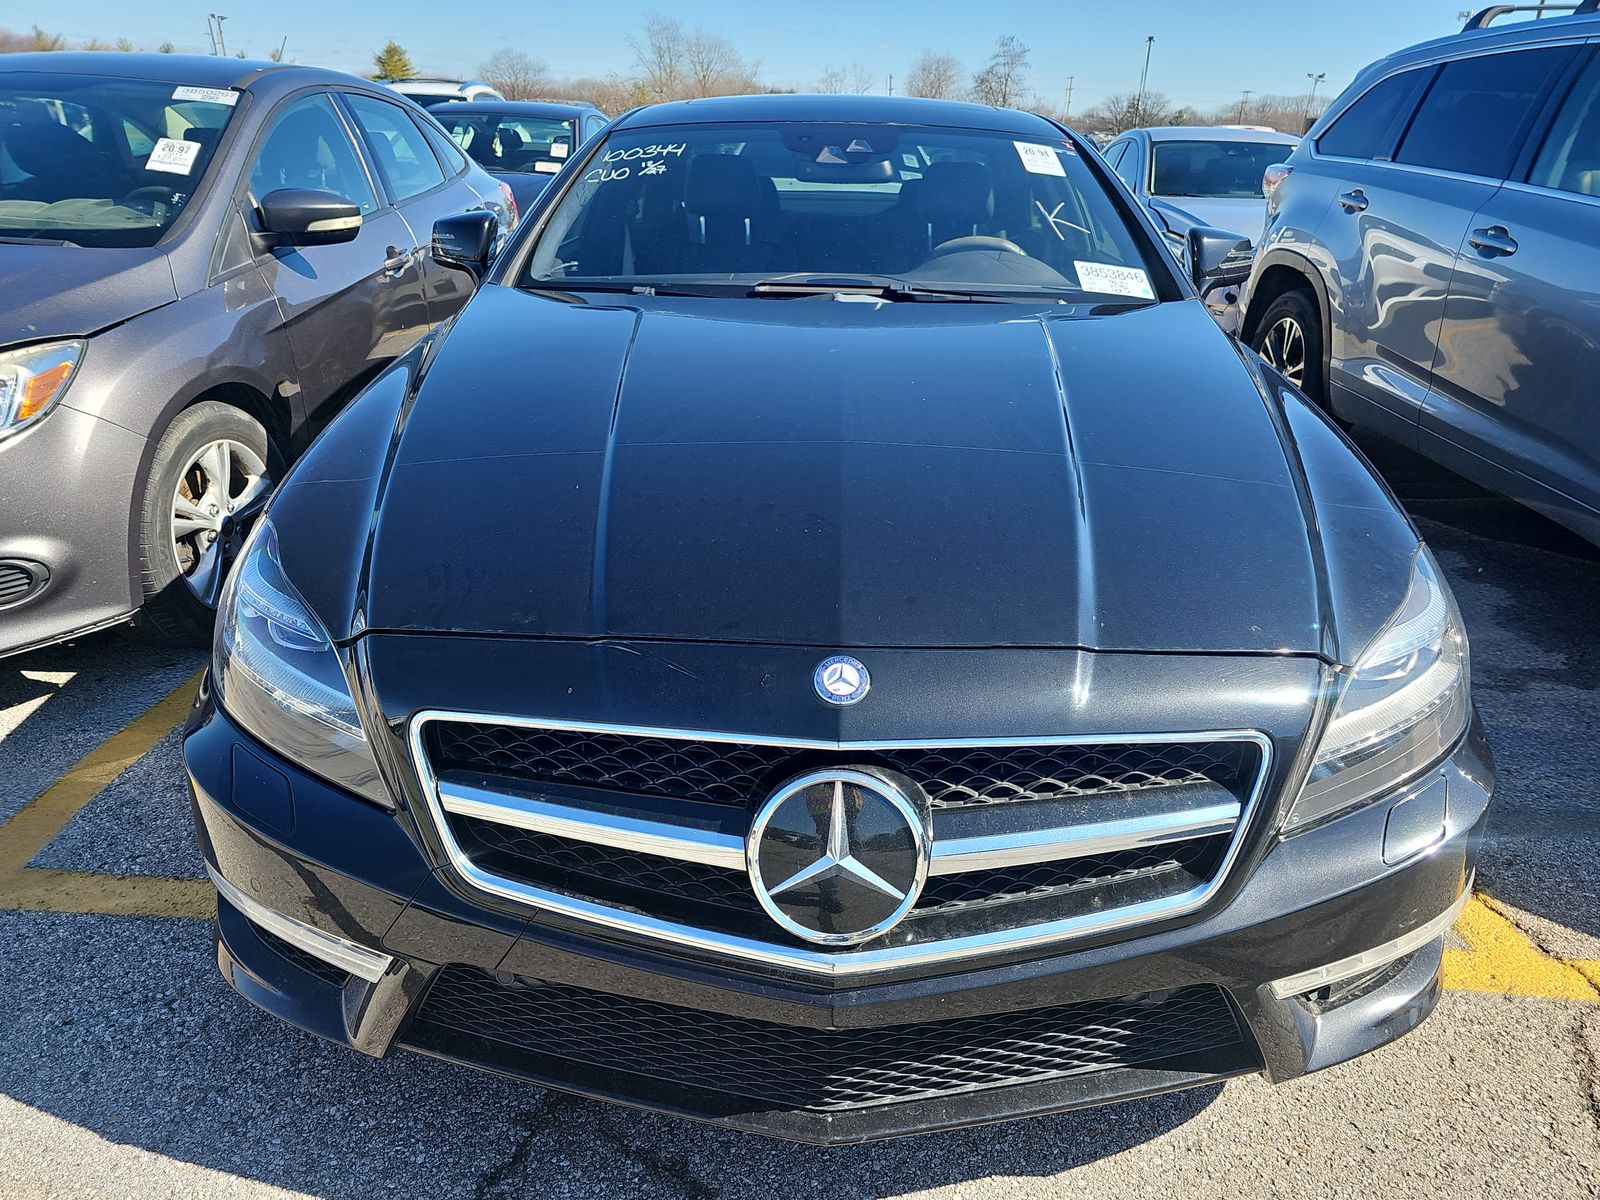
(833, 640)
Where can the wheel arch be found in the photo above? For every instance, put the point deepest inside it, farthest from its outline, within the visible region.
(275, 416)
(1283, 271)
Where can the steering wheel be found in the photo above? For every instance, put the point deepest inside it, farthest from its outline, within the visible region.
(146, 198)
(977, 242)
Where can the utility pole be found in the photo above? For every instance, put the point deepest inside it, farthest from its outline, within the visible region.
(1243, 101)
(1067, 112)
(1144, 76)
(1311, 105)
(891, 83)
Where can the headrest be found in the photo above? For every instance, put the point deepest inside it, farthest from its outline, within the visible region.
(955, 191)
(46, 148)
(722, 185)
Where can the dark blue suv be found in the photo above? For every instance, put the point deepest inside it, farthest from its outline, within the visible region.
(1431, 261)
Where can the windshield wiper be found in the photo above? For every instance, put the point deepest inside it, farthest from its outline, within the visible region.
(883, 287)
(622, 287)
(17, 240)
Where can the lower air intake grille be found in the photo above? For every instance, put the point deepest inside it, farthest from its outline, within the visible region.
(20, 580)
(783, 1066)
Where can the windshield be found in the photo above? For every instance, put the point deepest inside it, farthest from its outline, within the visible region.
(803, 203)
(513, 144)
(1215, 170)
(102, 162)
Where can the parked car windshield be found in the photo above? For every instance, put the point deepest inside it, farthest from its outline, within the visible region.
(511, 144)
(1214, 170)
(101, 161)
(793, 203)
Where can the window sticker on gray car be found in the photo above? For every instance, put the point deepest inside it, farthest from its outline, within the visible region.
(208, 95)
(172, 155)
(1116, 281)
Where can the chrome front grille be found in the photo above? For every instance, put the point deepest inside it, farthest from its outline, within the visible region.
(1035, 841)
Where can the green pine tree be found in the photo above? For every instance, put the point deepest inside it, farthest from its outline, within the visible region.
(392, 62)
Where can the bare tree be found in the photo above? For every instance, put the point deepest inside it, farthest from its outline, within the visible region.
(1003, 81)
(838, 81)
(937, 76)
(1127, 110)
(658, 56)
(611, 95)
(714, 67)
(516, 75)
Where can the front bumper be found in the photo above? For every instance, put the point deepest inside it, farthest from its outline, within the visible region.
(76, 548)
(535, 998)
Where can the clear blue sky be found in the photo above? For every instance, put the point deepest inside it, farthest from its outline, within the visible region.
(1204, 52)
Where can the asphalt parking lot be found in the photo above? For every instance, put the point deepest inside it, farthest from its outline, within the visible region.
(127, 1068)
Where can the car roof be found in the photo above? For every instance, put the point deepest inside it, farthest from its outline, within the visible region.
(1554, 27)
(1215, 133)
(197, 70)
(867, 110)
(516, 108)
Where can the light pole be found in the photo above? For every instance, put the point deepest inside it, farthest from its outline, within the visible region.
(221, 41)
(1311, 106)
(1144, 77)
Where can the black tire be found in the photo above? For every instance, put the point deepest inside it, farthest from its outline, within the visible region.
(1296, 309)
(173, 609)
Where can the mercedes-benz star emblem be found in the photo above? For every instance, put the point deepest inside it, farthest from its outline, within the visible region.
(841, 679)
(840, 856)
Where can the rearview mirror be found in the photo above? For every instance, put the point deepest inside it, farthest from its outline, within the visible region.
(1217, 257)
(308, 217)
(465, 241)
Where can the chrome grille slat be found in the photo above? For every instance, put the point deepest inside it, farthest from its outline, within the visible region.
(713, 848)
(1177, 824)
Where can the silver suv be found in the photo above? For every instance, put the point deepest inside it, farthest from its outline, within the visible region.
(1430, 266)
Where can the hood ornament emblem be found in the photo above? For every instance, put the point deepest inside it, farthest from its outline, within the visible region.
(841, 679)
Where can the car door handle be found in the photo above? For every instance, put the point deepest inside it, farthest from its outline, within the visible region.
(395, 265)
(1495, 241)
(1354, 201)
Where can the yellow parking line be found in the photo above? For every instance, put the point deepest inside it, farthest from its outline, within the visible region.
(1501, 959)
(40, 821)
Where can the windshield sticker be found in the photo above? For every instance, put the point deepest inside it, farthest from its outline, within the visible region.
(558, 150)
(208, 95)
(1058, 222)
(548, 168)
(1040, 160)
(172, 156)
(1116, 281)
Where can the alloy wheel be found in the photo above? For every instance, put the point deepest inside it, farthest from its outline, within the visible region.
(218, 496)
(1285, 349)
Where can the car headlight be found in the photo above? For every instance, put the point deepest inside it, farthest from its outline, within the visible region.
(32, 379)
(1401, 709)
(278, 675)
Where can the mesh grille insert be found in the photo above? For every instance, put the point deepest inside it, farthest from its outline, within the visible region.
(794, 1068)
(743, 772)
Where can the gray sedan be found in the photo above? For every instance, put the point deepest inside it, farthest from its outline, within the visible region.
(203, 259)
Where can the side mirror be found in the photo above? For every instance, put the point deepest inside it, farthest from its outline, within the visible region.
(1217, 257)
(465, 241)
(307, 217)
